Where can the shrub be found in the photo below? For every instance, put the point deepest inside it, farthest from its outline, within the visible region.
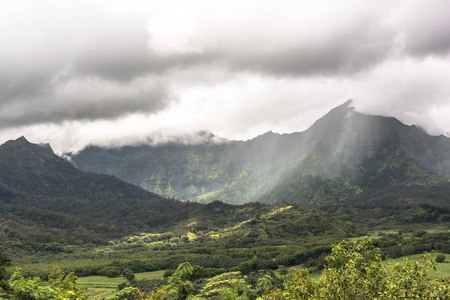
(128, 293)
(110, 271)
(440, 258)
(355, 271)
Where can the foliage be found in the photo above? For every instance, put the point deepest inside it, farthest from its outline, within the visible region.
(62, 287)
(19, 288)
(178, 287)
(440, 258)
(110, 271)
(4, 262)
(243, 290)
(66, 285)
(128, 274)
(128, 293)
(355, 271)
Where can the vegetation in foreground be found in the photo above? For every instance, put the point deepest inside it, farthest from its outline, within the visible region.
(352, 271)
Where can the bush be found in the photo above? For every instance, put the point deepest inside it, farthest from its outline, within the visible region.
(149, 285)
(419, 233)
(168, 273)
(128, 293)
(440, 258)
(355, 271)
(128, 274)
(110, 271)
(4, 262)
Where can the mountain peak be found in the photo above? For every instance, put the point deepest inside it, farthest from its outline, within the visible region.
(333, 119)
(347, 103)
(22, 139)
(343, 108)
(20, 142)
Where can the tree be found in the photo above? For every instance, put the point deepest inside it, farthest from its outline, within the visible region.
(66, 285)
(20, 288)
(355, 271)
(440, 258)
(110, 271)
(62, 287)
(128, 274)
(179, 287)
(128, 293)
(4, 262)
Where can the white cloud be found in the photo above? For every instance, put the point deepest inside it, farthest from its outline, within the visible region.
(81, 72)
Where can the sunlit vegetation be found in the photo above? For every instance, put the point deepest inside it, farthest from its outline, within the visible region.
(212, 258)
(352, 271)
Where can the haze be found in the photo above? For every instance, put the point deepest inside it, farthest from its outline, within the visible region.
(76, 73)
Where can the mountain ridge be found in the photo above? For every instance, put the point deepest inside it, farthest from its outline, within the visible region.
(49, 207)
(45, 200)
(347, 151)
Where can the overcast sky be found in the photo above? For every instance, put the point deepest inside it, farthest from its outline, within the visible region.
(74, 73)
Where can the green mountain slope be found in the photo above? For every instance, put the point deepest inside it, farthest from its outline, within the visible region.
(341, 155)
(44, 199)
(30, 169)
(53, 213)
(48, 206)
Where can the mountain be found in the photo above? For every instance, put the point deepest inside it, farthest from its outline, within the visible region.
(341, 156)
(45, 199)
(47, 204)
(55, 214)
(34, 170)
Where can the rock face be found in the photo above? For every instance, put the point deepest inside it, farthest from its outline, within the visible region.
(341, 155)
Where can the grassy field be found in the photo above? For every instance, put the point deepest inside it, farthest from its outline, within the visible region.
(107, 287)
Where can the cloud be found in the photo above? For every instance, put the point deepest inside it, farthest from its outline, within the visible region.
(86, 98)
(282, 40)
(412, 90)
(426, 28)
(81, 72)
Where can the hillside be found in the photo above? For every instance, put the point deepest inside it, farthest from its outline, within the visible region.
(342, 156)
(44, 200)
(48, 204)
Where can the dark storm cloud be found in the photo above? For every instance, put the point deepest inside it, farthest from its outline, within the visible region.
(350, 50)
(83, 99)
(426, 29)
(75, 61)
(276, 42)
(126, 66)
(14, 88)
(212, 64)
